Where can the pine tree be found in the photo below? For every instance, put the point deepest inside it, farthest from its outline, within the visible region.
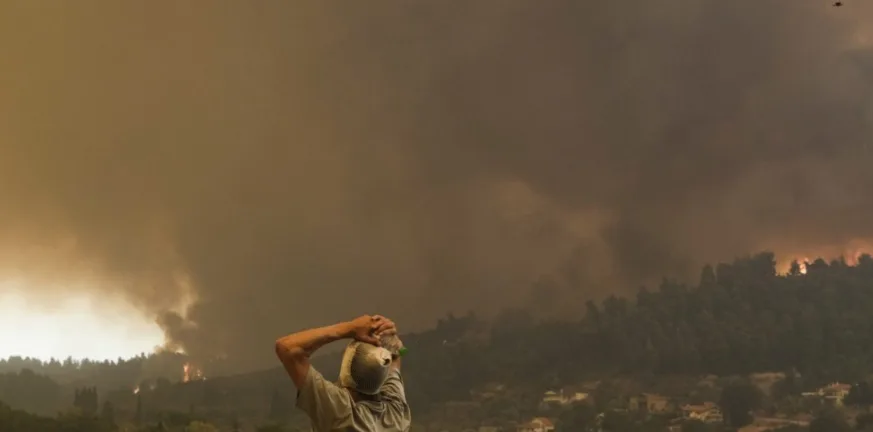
(107, 414)
(138, 416)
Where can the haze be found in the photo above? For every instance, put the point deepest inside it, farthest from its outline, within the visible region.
(239, 171)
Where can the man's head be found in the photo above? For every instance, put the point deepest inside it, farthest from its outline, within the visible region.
(365, 367)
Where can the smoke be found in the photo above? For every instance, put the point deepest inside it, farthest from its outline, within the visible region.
(248, 169)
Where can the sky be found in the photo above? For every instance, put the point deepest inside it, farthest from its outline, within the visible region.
(214, 178)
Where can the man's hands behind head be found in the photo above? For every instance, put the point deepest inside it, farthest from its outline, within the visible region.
(371, 328)
(386, 327)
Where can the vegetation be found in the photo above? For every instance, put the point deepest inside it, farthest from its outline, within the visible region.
(741, 318)
(815, 323)
(12, 420)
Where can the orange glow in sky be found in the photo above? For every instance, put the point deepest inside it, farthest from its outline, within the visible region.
(850, 252)
(81, 326)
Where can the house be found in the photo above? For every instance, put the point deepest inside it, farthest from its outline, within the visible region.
(833, 393)
(553, 397)
(708, 412)
(564, 396)
(650, 403)
(538, 424)
(836, 392)
(488, 391)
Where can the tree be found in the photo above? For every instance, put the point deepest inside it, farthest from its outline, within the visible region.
(592, 315)
(615, 421)
(580, 417)
(695, 426)
(198, 426)
(864, 422)
(829, 421)
(860, 394)
(791, 428)
(737, 403)
(791, 385)
(107, 414)
(138, 416)
(85, 400)
(707, 276)
(176, 419)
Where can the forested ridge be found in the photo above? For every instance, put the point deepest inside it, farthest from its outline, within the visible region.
(740, 318)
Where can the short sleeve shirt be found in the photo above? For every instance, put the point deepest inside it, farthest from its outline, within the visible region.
(331, 408)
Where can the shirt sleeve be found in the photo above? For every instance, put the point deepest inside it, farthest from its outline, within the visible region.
(325, 403)
(394, 395)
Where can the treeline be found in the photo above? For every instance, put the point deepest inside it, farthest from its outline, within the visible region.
(31, 392)
(258, 399)
(740, 318)
(103, 374)
(110, 374)
(13, 420)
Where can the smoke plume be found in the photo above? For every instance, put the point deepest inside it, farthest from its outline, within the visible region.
(243, 170)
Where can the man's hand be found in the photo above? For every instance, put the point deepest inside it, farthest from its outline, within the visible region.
(386, 327)
(370, 328)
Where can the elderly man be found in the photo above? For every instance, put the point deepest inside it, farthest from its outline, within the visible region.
(369, 396)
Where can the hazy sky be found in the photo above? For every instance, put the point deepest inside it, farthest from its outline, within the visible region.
(274, 164)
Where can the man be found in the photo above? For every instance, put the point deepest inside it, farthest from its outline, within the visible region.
(370, 396)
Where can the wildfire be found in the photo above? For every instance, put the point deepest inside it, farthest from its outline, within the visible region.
(802, 264)
(191, 373)
(850, 252)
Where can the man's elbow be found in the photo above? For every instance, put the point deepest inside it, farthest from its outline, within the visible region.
(287, 352)
(295, 360)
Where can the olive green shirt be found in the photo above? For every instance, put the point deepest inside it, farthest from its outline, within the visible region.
(332, 409)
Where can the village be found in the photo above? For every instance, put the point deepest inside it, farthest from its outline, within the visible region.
(671, 411)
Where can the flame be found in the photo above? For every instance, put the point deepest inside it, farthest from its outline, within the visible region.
(850, 252)
(136, 390)
(191, 373)
(803, 263)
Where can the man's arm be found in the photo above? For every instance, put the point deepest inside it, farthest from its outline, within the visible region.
(396, 357)
(295, 349)
(394, 395)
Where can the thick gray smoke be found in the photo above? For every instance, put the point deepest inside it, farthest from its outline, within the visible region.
(294, 163)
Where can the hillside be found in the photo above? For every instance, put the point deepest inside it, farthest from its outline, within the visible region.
(740, 318)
